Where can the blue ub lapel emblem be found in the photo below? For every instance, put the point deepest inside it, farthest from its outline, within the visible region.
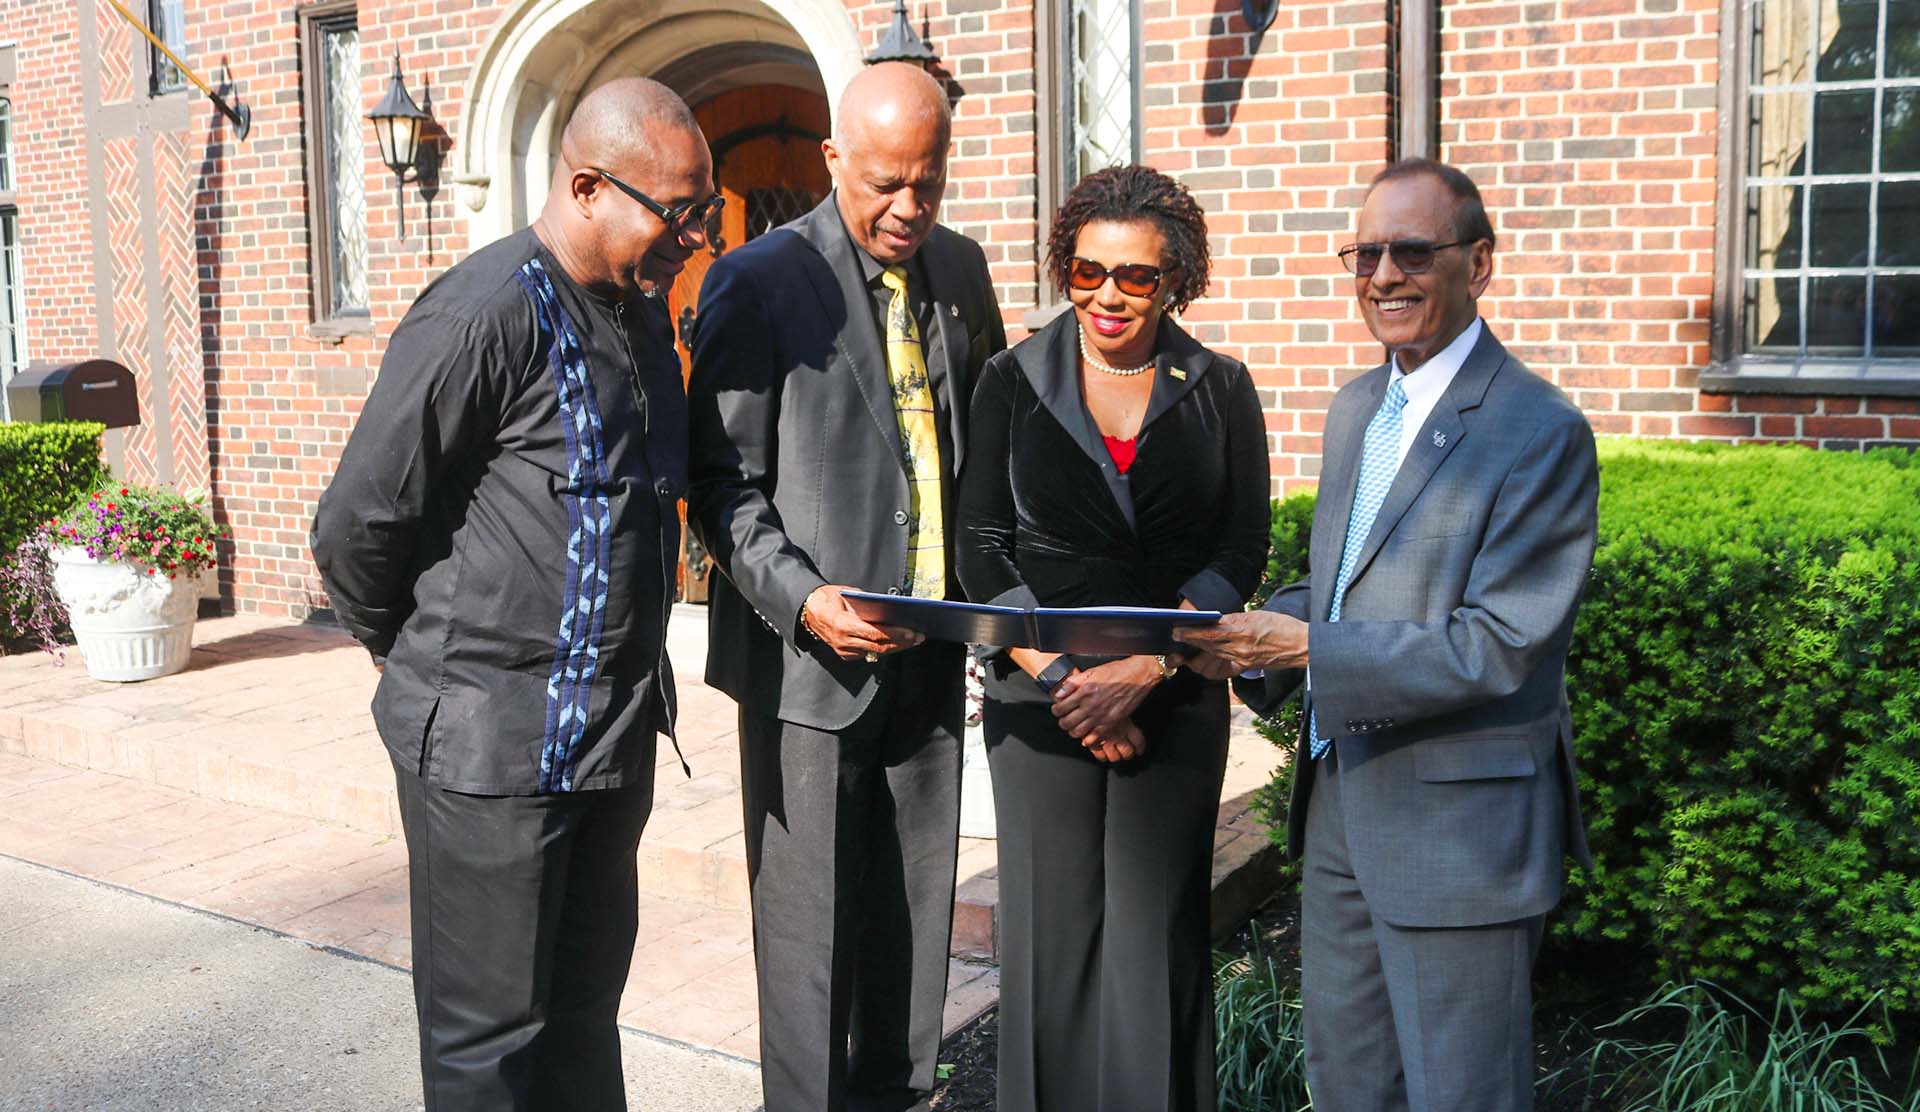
(1439, 439)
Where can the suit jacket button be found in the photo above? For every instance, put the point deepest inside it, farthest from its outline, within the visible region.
(899, 517)
(893, 590)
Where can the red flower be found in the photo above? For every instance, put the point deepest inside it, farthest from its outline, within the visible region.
(123, 492)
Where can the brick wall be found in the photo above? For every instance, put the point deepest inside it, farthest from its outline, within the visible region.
(1590, 123)
(1590, 126)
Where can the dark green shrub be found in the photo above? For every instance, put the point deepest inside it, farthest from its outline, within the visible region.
(1745, 677)
(44, 469)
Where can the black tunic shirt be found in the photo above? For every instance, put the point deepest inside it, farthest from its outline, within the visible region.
(502, 529)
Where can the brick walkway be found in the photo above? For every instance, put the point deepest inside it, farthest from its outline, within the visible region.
(252, 785)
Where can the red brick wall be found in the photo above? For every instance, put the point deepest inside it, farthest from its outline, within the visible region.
(51, 181)
(1590, 123)
(1590, 126)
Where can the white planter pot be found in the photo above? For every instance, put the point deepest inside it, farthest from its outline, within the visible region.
(130, 625)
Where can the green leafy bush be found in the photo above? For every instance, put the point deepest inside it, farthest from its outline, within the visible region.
(1745, 677)
(44, 469)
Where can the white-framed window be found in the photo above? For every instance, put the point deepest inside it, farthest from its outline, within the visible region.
(13, 336)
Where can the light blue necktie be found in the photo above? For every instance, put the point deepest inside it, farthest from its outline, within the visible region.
(1379, 463)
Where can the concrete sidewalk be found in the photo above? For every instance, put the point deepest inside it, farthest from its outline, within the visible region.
(110, 1001)
(253, 785)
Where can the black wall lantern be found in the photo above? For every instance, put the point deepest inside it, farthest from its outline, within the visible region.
(397, 124)
(1259, 13)
(900, 44)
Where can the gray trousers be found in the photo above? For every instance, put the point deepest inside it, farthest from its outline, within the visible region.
(851, 850)
(524, 915)
(1405, 1019)
(1106, 982)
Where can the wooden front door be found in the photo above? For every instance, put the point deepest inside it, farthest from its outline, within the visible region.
(766, 160)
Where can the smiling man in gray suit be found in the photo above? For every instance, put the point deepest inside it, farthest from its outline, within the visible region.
(832, 367)
(1434, 801)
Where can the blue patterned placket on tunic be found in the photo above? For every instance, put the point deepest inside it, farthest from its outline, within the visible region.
(1379, 463)
(583, 608)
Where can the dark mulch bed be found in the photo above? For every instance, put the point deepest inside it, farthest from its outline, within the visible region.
(1572, 1000)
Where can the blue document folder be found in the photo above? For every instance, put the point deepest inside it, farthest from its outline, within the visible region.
(1103, 630)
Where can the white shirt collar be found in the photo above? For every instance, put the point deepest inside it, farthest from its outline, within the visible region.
(1429, 381)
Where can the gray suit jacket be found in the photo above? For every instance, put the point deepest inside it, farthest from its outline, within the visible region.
(1443, 680)
(797, 476)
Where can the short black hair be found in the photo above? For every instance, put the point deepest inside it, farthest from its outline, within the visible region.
(1470, 221)
(1132, 194)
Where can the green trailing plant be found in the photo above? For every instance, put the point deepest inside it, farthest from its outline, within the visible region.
(1724, 1055)
(1259, 1056)
(1745, 678)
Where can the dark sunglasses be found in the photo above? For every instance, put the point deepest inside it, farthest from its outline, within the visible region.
(1412, 256)
(1132, 279)
(681, 216)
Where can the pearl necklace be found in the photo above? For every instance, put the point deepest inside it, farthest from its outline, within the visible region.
(1094, 361)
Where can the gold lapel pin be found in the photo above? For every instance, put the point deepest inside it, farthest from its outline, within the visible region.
(1179, 374)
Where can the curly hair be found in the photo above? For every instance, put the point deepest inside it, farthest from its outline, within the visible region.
(1130, 194)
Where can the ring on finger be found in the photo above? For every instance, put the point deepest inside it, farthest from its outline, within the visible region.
(872, 657)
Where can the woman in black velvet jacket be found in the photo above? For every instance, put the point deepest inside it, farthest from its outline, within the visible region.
(1113, 461)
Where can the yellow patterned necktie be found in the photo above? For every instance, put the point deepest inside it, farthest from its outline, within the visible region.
(920, 437)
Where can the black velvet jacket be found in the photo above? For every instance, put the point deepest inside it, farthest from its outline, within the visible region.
(1047, 519)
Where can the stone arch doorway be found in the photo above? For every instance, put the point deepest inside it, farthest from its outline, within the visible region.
(543, 55)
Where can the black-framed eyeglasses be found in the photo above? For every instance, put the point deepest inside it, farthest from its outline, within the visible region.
(1132, 279)
(680, 217)
(1412, 256)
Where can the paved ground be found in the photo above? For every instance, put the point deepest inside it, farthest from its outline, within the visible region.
(111, 1001)
(252, 786)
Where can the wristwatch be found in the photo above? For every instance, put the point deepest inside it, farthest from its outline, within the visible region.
(1054, 674)
(1167, 667)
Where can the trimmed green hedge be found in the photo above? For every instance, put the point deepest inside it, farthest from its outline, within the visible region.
(44, 469)
(1745, 677)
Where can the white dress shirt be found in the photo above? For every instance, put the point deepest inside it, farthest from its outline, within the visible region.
(1424, 386)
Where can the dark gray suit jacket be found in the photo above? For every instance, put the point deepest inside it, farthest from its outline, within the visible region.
(797, 476)
(1444, 679)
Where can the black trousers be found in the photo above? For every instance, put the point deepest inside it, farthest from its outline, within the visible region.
(1106, 981)
(524, 914)
(851, 847)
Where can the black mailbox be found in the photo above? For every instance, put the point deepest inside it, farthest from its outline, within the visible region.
(96, 390)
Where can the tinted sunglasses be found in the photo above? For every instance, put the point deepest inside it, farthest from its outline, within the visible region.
(681, 216)
(1412, 256)
(1132, 279)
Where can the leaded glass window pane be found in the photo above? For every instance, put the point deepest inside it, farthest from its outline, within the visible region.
(345, 168)
(168, 20)
(13, 346)
(6, 143)
(1101, 35)
(1833, 178)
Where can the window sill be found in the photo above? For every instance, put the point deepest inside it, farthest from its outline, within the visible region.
(1897, 378)
(336, 329)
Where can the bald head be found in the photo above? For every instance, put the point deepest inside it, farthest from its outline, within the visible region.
(892, 98)
(617, 124)
(888, 157)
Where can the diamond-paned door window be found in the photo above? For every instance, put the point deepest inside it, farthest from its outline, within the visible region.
(1101, 36)
(346, 169)
(1832, 188)
(767, 209)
